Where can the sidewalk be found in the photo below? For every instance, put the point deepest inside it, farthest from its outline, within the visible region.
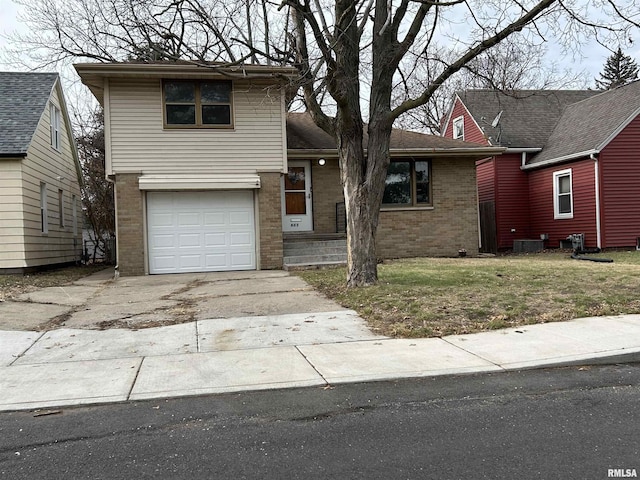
(76, 366)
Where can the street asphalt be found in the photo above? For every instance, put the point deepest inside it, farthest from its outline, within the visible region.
(246, 331)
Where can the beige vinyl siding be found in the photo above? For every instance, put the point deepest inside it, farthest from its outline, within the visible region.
(11, 215)
(139, 143)
(57, 169)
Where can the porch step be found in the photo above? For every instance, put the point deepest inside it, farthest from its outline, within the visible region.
(314, 253)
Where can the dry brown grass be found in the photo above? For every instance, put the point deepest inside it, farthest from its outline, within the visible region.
(430, 297)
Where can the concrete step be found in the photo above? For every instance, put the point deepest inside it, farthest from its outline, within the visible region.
(314, 253)
(307, 259)
(321, 250)
(325, 247)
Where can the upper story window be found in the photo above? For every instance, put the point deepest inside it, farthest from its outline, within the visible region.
(458, 128)
(54, 126)
(197, 104)
(562, 194)
(408, 184)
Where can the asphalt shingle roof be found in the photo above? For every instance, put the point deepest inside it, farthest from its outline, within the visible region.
(23, 98)
(588, 124)
(304, 134)
(528, 116)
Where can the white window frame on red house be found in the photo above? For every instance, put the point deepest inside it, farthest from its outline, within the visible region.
(557, 193)
(458, 128)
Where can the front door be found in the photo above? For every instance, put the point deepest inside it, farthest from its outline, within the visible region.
(296, 198)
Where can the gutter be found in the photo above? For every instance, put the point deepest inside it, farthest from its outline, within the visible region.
(597, 193)
(16, 156)
(565, 158)
(480, 152)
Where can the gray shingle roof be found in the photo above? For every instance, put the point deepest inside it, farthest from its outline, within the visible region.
(589, 124)
(304, 134)
(528, 116)
(23, 98)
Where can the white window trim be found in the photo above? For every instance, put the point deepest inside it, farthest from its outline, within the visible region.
(556, 200)
(456, 121)
(44, 221)
(54, 113)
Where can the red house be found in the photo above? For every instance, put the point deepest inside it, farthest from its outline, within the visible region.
(572, 164)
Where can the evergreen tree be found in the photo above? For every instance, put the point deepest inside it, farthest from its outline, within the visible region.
(619, 69)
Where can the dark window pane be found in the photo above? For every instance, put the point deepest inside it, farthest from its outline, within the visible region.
(397, 188)
(564, 203)
(422, 182)
(215, 92)
(216, 115)
(181, 114)
(182, 92)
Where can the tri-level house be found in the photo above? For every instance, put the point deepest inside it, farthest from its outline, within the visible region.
(571, 165)
(40, 176)
(212, 174)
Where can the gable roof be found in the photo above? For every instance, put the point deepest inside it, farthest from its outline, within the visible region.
(23, 98)
(588, 126)
(528, 116)
(303, 135)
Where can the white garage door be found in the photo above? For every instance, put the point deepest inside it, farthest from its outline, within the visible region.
(200, 231)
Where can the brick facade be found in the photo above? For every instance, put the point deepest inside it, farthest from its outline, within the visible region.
(451, 224)
(270, 218)
(130, 224)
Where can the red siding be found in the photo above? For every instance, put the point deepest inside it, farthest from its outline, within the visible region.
(584, 204)
(471, 131)
(620, 188)
(512, 200)
(485, 176)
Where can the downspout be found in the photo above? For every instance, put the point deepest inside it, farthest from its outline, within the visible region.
(594, 157)
(523, 162)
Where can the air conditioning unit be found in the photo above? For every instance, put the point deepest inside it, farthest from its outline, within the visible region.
(577, 241)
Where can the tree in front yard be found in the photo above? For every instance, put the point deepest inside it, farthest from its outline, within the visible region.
(351, 55)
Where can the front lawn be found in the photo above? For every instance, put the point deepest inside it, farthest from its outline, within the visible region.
(430, 297)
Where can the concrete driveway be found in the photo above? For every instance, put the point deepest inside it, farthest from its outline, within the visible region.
(100, 302)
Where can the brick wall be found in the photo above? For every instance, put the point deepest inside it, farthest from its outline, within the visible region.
(450, 225)
(129, 220)
(270, 217)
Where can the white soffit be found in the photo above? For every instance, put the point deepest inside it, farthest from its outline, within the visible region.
(198, 182)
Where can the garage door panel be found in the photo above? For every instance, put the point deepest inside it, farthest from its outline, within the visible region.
(215, 239)
(193, 240)
(214, 219)
(160, 220)
(200, 231)
(240, 260)
(216, 262)
(239, 239)
(163, 241)
(239, 218)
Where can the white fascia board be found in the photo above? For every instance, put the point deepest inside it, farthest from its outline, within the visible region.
(198, 182)
(565, 158)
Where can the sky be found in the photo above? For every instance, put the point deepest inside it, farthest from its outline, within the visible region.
(591, 63)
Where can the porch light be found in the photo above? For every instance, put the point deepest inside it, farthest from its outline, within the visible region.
(321, 162)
